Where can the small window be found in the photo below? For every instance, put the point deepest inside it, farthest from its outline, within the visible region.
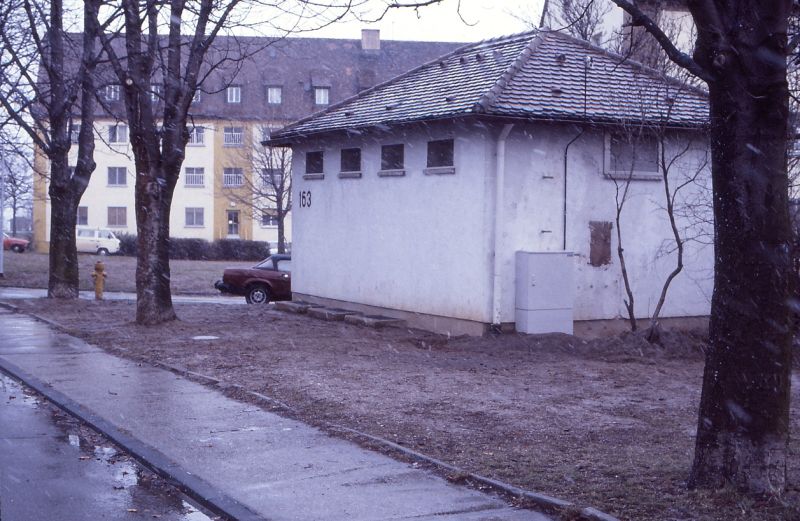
(112, 92)
(274, 95)
(75, 133)
(322, 95)
(233, 135)
(194, 217)
(232, 177)
(83, 216)
(117, 133)
(197, 135)
(271, 178)
(234, 94)
(117, 176)
(392, 157)
(233, 222)
(195, 176)
(440, 153)
(117, 216)
(155, 92)
(269, 217)
(351, 160)
(631, 157)
(315, 162)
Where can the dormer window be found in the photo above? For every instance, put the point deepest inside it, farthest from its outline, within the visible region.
(234, 94)
(112, 92)
(275, 95)
(322, 95)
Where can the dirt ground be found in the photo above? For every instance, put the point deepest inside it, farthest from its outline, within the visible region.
(607, 423)
(30, 270)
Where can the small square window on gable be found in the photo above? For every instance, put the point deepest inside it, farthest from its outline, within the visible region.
(440, 157)
(350, 162)
(392, 160)
(315, 165)
(631, 156)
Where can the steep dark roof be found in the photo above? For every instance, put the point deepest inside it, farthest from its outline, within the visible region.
(536, 75)
(297, 65)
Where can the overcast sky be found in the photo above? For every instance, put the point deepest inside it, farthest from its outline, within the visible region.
(482, 19)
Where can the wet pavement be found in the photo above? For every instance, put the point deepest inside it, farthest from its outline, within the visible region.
(51, 467)
(266, 465)
(11, 293)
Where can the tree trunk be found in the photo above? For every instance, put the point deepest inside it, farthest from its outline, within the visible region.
(153, 295)
(63, 279)
(743, 425)
(281, 226)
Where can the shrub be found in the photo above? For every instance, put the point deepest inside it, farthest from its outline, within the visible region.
(127, 244)
(237, 249)
(190, 249)
(200, 249)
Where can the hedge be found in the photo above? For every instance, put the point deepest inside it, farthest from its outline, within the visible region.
(200, 249)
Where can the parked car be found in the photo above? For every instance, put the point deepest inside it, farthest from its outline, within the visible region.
(14, 243)
(96, 240)
(269, 280)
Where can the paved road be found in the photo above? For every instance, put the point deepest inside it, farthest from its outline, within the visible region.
(50, 469)
(25, 293)
(260, 464)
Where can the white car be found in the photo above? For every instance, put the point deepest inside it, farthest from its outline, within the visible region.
(96, 240)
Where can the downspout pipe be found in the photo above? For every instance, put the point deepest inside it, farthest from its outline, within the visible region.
(499, 189)
(564, 208)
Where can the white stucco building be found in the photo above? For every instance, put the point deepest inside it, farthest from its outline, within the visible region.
(413, 199)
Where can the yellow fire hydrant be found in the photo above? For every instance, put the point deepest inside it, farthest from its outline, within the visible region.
(99, 277)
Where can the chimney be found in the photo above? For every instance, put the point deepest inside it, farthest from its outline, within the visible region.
(370, 39)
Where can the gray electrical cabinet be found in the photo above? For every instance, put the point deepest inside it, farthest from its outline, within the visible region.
(544, 292)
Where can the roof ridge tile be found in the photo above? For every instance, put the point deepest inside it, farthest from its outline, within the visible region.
(484, 104)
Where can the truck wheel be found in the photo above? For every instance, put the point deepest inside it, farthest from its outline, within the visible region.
(102, 251)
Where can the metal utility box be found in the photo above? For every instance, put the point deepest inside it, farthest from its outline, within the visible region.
(544, 292)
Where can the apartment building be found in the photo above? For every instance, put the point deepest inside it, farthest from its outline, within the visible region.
(280, 81)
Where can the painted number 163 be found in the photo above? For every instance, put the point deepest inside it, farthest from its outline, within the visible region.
(305, 199)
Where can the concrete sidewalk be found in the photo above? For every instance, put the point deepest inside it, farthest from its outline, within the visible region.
(12, 293)
(234, 457)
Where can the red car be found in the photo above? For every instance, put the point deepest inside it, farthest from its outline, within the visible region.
(269, 280)
(14, 244)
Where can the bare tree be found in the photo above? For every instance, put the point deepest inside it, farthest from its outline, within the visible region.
(580, 18)
(173, 41)
(18, 186)
(267, 192)
(621, 192)
(33, 37)
(743, 422)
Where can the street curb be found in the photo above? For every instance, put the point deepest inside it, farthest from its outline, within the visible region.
(150, 457)
(548, 503)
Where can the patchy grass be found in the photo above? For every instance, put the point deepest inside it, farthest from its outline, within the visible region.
(607, 423)
(30, 270)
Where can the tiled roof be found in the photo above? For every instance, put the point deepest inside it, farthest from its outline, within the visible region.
(536, 75)
(295, 64)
